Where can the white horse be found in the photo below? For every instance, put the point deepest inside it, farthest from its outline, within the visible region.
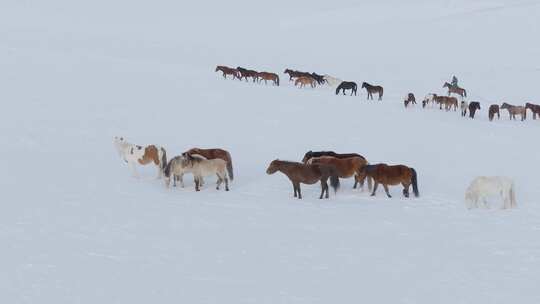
(429, 98)
(134, 154)
(202, 167)
(484, 186)
(464, 107)
(332, 81)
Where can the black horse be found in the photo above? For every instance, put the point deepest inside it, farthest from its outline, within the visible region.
(319, 78)
(347, 85)
(473, 106)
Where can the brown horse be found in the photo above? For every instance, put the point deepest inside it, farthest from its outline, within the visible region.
(305, 80)
(213, 154)
(535, 109)
(373, 89)
(244, 73)
(448, 102)
(295, 74)
(310, 154)
(346, 167)
(306, 174)
(392, 175)
(455, 89)
(269, 76)
(513, 110)
(494, 109)
(410, 100)
(228, 71)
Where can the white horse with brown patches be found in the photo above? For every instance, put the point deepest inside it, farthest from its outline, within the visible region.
(135, 154)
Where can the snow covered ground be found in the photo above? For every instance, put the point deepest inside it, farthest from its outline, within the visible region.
(75, 227)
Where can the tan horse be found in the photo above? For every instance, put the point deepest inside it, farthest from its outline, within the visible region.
(228, 71)
(304, 80)
(269, 76)
(455, 89)
(306, 174)
(515, 110)
(448, 102)
(213, 154)
(392, 175)
(202, 167)
(346, 167)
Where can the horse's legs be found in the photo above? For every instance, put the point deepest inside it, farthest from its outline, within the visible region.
(406, 189)
(375, 188)
(196, 179)
(294, 188)
(386, 190)
(181, 179)
(356, 182)
(324, 187)
(299, 191)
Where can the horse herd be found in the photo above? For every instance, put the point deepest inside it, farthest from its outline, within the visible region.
(319, 166)
(301, 80)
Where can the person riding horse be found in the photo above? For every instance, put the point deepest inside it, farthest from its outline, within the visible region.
(454, 81)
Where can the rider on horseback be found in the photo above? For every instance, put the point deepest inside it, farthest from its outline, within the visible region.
(454, 81)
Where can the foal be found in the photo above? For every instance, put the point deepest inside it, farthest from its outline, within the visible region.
(392, 175)
(306, 174)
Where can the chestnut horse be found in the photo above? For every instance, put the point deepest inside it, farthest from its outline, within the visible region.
(535, 109)
(228, 71)
(305, 80)
(306, 174)
(244, 73)
(455, 89)
(268, 76)
(392, 175)
(513, 110)
(494, 109)
(213, 154)
(372, 89)
(346, 167)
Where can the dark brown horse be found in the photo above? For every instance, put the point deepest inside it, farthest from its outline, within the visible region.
(245, 73)
(310, 154)
(346, 167)
(494, 109)
(268, 76)
(410, 100)
(373, 89)
(299, 173)
(473, 107)
(296, 74)
(515, 110)
(535, 109)
(455, 89)
(213, 154)
(319, 78)
(347, 85)
(228, 71)
(392, 175)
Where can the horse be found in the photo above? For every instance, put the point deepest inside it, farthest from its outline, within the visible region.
(391, 175)
(305, 80)
(176, 169)
(228, 71)
(513, 110)
(319, 78)
(306, 174)
(296, 74)
(213, 154)
(372, 89)
(202, 167)
(455, 89)
(473, 107)
(535, 109)
(429, 98)
(464, 107)
(447, 101)
(484, 186)
(332, 81)
(135, 154)
(347, 85)
(409, 100)
(346, 167)
(268, 76)
(244, 73)
(494, 109)
(310, 154)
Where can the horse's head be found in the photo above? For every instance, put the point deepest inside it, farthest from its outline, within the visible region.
(273, 167)
(287, 71)
(217, 68)
(505, 106)
(307, 156)
(364, 85)
(446, 85)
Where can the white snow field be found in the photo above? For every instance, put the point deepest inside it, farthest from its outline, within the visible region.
(75, 227)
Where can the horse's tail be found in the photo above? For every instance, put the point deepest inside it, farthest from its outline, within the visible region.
(163, 158)
(277, 80)
(465, 92)
(382, 92)
(229, 166)
(414, 180)
(337, 89)
(334, 179)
